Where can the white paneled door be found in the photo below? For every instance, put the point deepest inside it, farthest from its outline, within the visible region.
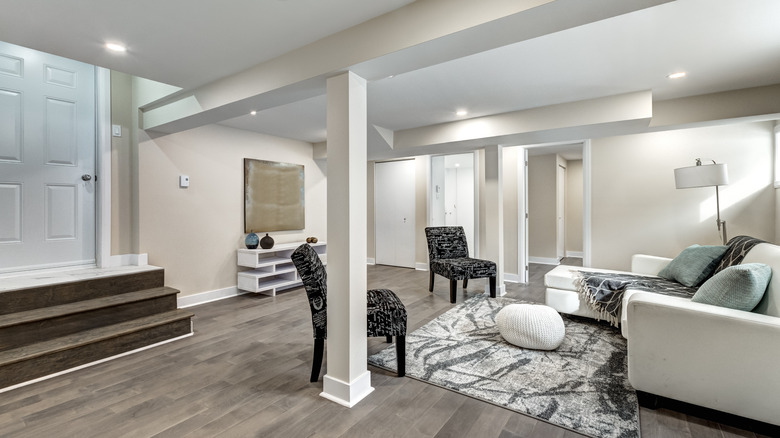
(394, 195)
(47, 160)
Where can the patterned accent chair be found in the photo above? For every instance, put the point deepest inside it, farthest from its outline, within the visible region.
(386, 313)
(448, 256)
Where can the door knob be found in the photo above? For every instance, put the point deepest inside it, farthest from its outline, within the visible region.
(86, 177)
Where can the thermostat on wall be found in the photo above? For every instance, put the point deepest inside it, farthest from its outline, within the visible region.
(184, 181)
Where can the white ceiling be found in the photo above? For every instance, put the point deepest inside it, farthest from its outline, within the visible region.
(722, 44)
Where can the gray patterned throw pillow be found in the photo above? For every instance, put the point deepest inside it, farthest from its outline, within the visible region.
(738, 287)
(694, 264)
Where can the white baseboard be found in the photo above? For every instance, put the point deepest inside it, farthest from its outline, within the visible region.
(371, 261)
(209, 296)
(129, 260)
(578, 254)
(500, 290)
(346, 393)
(544, 260)
(421, 266)
(512, 278)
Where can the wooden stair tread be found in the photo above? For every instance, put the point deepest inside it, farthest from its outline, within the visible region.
(90, 336)
(44, 313)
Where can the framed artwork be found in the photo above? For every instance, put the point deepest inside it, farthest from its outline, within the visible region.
(273, 196)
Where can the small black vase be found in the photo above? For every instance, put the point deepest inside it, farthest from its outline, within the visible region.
(267, 242)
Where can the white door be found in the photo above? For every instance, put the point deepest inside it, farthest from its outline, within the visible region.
(47, 160)
(394, 194)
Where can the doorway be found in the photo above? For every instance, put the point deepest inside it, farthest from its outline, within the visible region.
(47, 161)
(553, 204)
(452, 194)
(394, 195)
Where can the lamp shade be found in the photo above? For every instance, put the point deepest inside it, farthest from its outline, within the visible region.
(705, 175)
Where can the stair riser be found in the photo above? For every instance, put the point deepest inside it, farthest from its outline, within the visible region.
(25, 334)
(18, 372)
(53, 295)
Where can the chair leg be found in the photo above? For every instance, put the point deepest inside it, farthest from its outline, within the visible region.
(465, 283)
(389, 339)
(400, 354)
(319, 349)
(430, 282)
(453, 289)
(492, 281)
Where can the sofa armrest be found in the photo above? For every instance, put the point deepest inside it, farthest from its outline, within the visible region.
(647, 264)
(710, 356)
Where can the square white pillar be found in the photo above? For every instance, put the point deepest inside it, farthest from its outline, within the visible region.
(494, 213)
(348, 380)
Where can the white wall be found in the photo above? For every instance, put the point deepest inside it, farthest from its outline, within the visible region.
(636, 208)
(194, 232)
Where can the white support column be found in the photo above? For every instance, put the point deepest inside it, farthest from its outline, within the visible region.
(348, 380)
(494, 213)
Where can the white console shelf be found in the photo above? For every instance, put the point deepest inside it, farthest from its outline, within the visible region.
(272, 269)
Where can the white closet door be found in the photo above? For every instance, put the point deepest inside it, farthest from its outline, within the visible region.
(47, 160)
(394, 183)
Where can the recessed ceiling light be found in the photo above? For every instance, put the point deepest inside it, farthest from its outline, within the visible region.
(253, 112)
(461, 112)
(116, 47)
(678, 75)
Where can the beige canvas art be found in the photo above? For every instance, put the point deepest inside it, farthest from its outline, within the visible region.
(273, 196)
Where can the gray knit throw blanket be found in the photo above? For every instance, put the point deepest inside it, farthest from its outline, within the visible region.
(604, 291)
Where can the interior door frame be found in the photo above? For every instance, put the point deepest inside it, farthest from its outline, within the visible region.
(103, 167)
(522, 231)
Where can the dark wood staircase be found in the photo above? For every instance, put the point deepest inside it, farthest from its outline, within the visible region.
(49, 329)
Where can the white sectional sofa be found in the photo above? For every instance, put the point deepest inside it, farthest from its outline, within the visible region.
(710, 356)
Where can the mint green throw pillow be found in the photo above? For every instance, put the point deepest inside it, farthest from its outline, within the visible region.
(738, 287)
(694, 264)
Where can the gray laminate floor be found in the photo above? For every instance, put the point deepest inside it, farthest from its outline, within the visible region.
(245, 373)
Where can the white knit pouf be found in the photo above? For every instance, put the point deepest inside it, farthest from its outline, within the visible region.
(531, 326)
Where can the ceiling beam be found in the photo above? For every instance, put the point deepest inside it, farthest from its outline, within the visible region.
(423, 33)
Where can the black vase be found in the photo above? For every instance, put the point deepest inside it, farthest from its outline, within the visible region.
(267, 242)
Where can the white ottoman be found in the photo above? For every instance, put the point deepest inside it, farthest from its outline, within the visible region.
(531, 326)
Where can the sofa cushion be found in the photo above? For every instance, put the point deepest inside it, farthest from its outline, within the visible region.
(738, 287)
(694, 264)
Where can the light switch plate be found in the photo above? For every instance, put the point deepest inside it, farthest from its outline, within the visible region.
(116, 130)
(184, 181)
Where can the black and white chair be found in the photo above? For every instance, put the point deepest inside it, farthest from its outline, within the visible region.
(448, 256)
(386, 313)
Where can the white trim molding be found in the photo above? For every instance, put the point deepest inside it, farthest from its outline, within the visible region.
(579, 254)
(344, 393)
(511, 278)
(544, 260)
(421, 266)
(371, 261)
(103, 167)
(129, 260)
(208, 296)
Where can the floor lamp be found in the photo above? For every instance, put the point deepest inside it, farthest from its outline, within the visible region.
(707, 175)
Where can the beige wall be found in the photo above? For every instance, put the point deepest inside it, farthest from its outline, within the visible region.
(636, 208)
(194, 232)
(121, 165)
(542, 206)
(573, 206)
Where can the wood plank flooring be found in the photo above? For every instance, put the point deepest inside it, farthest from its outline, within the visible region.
(245, 373)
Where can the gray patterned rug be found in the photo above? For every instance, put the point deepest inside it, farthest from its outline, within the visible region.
(582, 386)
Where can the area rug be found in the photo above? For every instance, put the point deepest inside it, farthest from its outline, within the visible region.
(582, 386)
